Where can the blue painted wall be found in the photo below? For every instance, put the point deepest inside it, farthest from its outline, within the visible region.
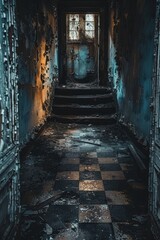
(131, 61)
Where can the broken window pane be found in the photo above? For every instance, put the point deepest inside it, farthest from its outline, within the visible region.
(73, 35)
(89, 26)
(90, 34)
(90, 17)
(74, 26)
(74, 17)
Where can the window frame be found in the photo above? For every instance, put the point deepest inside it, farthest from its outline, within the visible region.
(83, 27)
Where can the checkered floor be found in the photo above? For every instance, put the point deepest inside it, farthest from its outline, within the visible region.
(93, 188)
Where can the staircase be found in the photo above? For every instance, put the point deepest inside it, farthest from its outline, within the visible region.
(84, 105)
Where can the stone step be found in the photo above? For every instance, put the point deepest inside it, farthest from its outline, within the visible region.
(81, 91)
(76, 109)
(84, 105)
(83, 119)
(84, 99)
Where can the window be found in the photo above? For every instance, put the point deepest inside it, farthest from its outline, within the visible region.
(81, 26)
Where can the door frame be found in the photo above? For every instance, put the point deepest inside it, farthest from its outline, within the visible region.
(72, 6)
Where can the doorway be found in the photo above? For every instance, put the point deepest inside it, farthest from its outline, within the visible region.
(82, 47)
(83, 42)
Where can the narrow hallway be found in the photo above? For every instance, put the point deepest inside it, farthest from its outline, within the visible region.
(79, 119)
(80, 182)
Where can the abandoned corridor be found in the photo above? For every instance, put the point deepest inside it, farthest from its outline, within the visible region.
(80, 182)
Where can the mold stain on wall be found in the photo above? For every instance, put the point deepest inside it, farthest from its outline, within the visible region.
(37, 69)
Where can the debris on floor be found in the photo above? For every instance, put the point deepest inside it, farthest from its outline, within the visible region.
(80, 182)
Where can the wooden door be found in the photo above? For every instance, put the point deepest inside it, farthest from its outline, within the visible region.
(82, 47)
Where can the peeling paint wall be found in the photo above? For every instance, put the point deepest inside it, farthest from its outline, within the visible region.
(131, 60)
(37, 68)
(9, 122)
(154, 170)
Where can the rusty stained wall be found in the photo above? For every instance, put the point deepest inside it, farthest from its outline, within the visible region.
(37, 52)
(9, 121)
(131, 60)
